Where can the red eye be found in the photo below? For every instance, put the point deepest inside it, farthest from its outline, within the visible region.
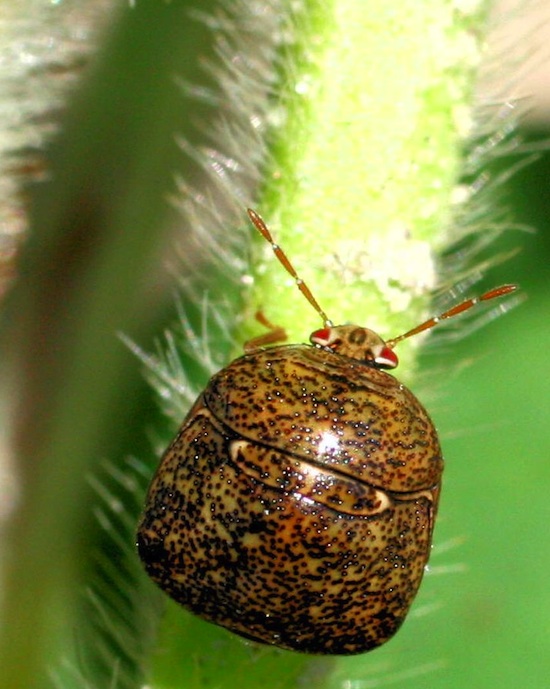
(321, 337)
(387, 358)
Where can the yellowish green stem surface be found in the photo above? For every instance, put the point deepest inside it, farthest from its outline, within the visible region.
(359, 188)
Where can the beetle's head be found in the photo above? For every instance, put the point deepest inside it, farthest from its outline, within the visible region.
(356, 343)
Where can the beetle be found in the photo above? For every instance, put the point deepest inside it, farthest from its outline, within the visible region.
(296, 504)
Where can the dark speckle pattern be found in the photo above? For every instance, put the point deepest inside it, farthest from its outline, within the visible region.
(296, 504)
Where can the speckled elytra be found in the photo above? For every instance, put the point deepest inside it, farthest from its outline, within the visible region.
(296, 504)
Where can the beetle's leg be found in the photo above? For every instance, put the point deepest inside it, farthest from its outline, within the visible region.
(275, 334)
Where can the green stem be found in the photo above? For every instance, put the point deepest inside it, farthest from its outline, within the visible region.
(358, 190)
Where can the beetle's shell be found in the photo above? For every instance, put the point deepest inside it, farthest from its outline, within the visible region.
(296, 504)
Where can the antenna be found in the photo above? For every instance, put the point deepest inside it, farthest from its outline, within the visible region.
(287, 265)
(454, 311)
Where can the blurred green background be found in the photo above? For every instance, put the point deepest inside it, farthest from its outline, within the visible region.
(482, 616)
(494, 627)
